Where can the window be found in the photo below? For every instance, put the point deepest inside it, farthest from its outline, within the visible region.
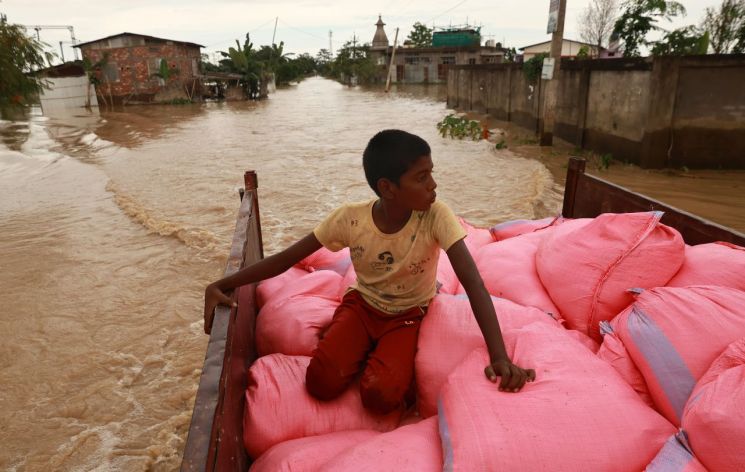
(472, 61)
(447, 60)
(411, 60)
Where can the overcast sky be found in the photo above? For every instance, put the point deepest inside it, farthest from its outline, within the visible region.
(303, 25)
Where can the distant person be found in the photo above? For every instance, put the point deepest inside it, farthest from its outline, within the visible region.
(394, 242)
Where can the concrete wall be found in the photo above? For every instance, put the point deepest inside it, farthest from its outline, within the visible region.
(674, 111)
(502, 90)
(66, 93)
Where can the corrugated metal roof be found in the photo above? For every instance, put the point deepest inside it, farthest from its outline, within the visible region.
(154, 38)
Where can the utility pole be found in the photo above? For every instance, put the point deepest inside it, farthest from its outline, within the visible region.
(331, 47)
(69, 28)
(275, 29)
(354, 46)
(552, 84)
(393, 63)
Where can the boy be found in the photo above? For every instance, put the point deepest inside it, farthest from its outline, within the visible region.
(394, 244)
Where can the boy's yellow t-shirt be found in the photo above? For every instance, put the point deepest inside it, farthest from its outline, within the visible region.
(396, 271)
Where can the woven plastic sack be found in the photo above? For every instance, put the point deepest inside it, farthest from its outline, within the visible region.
(476, 237)
(577, 415)
(588, 271)
(323, 259)
(309, 454)
(292, 320)
(615, 354)
(714, 417)
(267, 288)
(673, 334)
(278, 407)
(415, 447)
(675, 456)
(512, 228)
(508, 271)
(712, 264)
(450, 332)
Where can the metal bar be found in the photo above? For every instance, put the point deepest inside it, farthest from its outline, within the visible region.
(575, 168)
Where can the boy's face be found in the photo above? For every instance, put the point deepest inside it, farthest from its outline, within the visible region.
(416, 189)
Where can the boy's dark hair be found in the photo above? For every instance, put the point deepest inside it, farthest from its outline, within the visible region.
(390, 153)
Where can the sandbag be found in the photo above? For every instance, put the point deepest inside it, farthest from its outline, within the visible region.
(508, 271)
(512, 228)
(293, 318)
(449, 332)
(476, 237)
(587, 271)
(278, 407)
(323, 259)
(714, 417)
(309, 454)
(447, 281)
(415, 447)
(712, 264)
(349, 279)
(577, 414)
(614, 353)
(267, 288)
(675, 456)
(673, 334)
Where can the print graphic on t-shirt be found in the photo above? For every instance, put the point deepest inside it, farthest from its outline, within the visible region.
(384, 262)
(418, 267)
(355, 252)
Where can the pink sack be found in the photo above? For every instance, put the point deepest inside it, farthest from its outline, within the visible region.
(510, 229)
(449, 332)
(447, 281)
(323, 259)
(588, 271)
(414, 447)
(309, 454)
(476, 237)
(267, 288)
(712, 264)
(292, 320)
(714, 417)
(508, 271)
(278, 408)
(577, 415)
(614, 353)
(350, 278)
(675, 456)
(673, 334)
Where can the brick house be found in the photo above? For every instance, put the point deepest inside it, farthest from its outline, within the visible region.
(131, 73)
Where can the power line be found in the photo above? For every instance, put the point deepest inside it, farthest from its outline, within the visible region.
(304, 32)
(448, 10)
(252, 30)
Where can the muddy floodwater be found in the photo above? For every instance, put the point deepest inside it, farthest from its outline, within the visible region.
(112, 223)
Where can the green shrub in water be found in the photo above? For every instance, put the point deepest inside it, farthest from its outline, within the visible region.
(458, 127)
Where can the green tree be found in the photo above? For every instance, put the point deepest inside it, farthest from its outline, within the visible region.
(242, 60)
(510, 55)
(353, 60)
(682, 41)
(726, 26)
(420, 36)
(639, 18)
(20, 56)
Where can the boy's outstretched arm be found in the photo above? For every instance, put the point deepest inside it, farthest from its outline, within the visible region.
(273, 265)
(513, 376)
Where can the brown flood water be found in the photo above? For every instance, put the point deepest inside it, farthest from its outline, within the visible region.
(112, 224)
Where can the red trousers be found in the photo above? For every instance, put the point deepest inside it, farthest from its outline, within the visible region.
(362, 339)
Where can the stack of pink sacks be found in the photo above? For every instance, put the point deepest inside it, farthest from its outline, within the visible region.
(638, 342)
